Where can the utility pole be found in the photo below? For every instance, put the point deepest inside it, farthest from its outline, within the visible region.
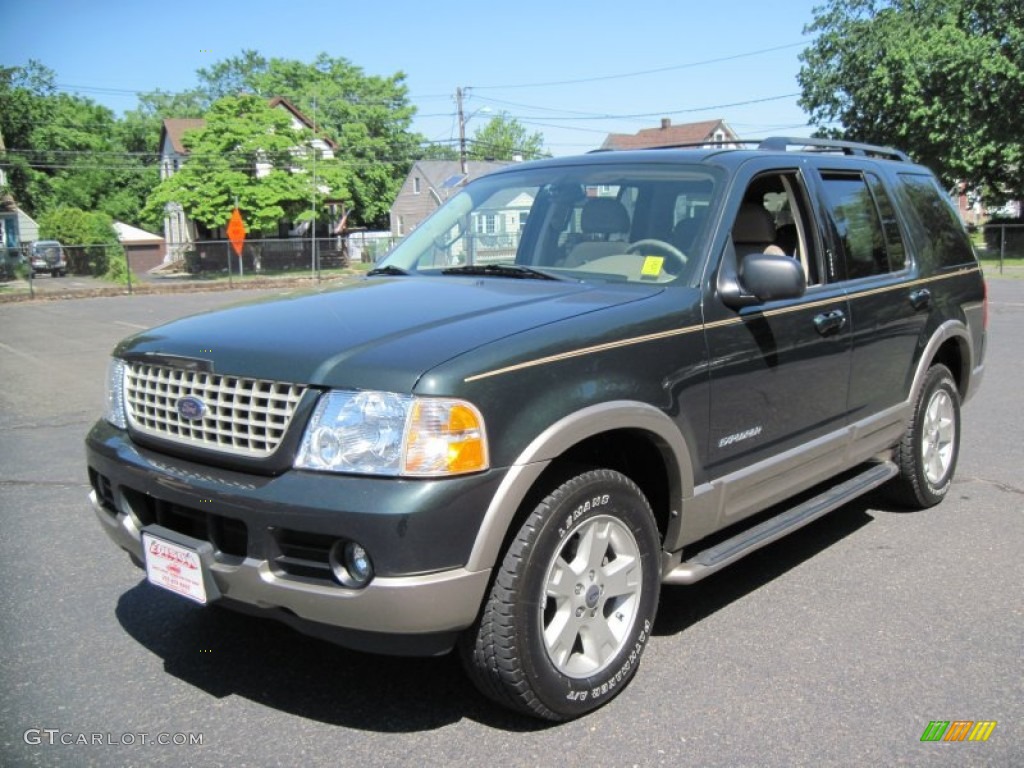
(462, 129)
(314, 262)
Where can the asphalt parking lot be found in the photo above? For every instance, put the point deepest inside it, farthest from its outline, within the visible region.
(836, 646)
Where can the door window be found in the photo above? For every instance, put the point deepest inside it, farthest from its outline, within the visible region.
(864, 223)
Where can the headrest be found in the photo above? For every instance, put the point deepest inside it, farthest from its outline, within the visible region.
(753, 225)
(604, 216)
(683, 233)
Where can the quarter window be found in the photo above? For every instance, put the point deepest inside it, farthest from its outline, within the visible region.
(935, 229)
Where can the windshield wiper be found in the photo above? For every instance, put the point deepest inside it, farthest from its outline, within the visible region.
(387, 270)
(500, 270)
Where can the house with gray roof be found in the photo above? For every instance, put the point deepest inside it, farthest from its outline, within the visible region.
(428, 186)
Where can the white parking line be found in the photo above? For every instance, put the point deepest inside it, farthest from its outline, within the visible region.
(131, 325)
(18, 352)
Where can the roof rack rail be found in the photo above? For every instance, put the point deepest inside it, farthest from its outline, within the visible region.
(783, 143)
(711, 144)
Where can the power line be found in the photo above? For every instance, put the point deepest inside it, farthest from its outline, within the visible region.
(639, 73)
(669, 112)
(137, 92)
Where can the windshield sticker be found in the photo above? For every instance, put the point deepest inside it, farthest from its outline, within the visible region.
(652, 266)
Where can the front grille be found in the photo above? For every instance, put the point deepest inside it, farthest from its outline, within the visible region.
(234, 415)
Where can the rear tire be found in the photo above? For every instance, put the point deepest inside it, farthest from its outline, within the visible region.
(927, 454)
(573, 602)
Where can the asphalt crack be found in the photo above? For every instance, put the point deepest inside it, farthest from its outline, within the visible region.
(1005, 487)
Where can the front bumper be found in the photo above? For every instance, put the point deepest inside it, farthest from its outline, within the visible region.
(269, 538)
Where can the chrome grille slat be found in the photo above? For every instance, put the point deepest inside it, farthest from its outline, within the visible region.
(242, 416)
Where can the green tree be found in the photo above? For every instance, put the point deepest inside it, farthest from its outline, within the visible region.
(941, 79)
(25, 103)
(249, 152)
(139, 128)
(89, 238)
(368, 116)
(504, 138)
(65, 150)
(435, 151)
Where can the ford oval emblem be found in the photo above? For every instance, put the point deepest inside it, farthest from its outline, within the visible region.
(190, 408)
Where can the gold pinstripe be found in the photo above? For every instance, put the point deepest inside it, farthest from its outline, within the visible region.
(583, 351)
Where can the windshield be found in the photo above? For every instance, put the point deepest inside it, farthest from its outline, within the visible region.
(46, 249)
(636, 223)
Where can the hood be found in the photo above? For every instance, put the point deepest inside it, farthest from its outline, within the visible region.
(380, 333)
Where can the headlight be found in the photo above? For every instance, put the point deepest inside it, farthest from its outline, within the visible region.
(382, 433)
(115, 393)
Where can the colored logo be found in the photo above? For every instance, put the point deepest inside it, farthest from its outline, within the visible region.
(958, 730)
(190, 408)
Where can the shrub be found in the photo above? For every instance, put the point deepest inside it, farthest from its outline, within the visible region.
(117, 271)
(89, 238)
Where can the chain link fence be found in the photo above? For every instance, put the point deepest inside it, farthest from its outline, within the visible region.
(999, 244)
(1000, 241)
(113, 269)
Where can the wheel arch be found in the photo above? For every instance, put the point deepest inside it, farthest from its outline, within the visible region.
(950, 344)
(634, 438)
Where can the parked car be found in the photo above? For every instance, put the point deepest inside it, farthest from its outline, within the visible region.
(676, 357)
(47, 256)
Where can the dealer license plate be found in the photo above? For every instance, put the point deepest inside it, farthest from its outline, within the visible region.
(174, 567)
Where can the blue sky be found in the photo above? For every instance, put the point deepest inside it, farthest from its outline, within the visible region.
(572, 70)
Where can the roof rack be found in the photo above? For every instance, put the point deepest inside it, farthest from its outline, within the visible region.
(783, 143)
(711, 144)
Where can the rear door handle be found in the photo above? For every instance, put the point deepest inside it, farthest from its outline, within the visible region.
(829, 323)
(920, 299)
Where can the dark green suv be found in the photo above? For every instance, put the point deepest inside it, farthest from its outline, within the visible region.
(579, 380)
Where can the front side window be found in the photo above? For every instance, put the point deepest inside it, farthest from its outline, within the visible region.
(775, 218)
(596, 222)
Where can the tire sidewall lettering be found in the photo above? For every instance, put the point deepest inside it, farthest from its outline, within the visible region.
(570, 521)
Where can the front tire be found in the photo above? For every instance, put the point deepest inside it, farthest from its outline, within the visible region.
(928, 453)
(573, 603)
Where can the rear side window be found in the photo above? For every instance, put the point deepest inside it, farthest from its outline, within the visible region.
(938, 236)
(864, 223)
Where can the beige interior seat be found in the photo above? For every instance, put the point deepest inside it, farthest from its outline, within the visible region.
(604, 223)
(754, 231)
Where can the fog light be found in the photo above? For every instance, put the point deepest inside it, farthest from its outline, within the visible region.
(351, 564)
(358, 563)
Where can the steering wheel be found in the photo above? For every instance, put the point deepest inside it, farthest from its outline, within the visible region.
(662, 249)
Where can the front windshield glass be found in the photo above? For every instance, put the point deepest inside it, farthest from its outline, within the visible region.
(635, 223)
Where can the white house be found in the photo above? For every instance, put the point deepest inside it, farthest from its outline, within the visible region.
(180, 233)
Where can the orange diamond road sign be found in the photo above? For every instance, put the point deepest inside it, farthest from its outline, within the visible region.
(236, 231)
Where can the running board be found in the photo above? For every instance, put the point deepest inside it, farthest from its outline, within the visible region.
(725, 553)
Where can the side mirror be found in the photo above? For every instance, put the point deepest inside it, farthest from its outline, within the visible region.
(770, 277)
